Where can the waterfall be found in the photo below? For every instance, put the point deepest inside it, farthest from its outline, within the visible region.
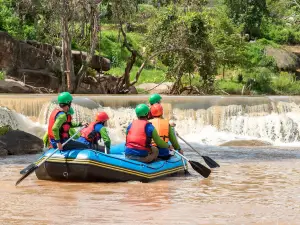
(204, 120)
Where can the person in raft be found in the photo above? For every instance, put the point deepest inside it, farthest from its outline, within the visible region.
(95, 131)
(164, 130)
(139, 135)
(153, 99)
(60, 122)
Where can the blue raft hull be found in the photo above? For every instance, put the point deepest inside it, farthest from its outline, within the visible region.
(90, 165)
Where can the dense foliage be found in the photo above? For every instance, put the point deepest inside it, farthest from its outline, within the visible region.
(204, 46)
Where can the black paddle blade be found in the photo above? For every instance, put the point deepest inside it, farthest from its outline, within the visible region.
(202, 170)
(30, 171)
(210, 162)
(25, 170)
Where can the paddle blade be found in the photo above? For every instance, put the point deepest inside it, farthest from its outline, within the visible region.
(202, 170)
(25, 170)
(30, 171)
(210, 162)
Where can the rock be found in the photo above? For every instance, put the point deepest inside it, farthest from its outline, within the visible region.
(246, 143)
(132, 90)
(39, 63)
(18, 142)
(98, 63)
(285, 60)
(14, 87)
(38, 78)
(155, 88)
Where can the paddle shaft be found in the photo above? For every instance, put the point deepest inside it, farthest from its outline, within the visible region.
(31, 170)
(209, 161)
(41, 162)
(187, 143)
(182, 156)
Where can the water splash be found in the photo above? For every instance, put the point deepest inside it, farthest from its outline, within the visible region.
(21, 122)
(209, 121)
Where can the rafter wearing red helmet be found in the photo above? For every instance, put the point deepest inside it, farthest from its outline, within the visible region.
(164, 131)
(96, 131)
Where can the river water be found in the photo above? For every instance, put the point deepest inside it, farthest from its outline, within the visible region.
(253, 185)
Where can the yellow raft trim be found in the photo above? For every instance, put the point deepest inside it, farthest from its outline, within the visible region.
(116, 168)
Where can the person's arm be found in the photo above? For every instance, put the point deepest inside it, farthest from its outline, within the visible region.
(74, 124)
(46, 140)
(173, 139)
(60, 119)
(72, 131)
(105, 137)
(160, 142)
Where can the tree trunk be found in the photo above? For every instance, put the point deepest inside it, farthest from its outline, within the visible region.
(66, 50)
(94, 26)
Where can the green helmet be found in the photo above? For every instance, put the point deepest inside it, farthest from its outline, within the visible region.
(155, 98)
(71, 111)
(64, 98)
(142, 110)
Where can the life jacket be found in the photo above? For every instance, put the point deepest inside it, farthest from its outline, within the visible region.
(64, 130)
(137, 137)
(162, 127)
(90, 134)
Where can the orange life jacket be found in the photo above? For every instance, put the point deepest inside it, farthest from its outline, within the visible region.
(137, 137)
(162, 127)
(90, 134)
(64, 130)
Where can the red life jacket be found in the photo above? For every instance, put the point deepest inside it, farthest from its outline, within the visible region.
(90, 134)
(64, 130)
(137, 137)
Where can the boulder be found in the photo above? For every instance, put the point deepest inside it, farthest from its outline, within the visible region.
(98, 63)
(38, 64)
(285, 59)
(14, 87)
(18, 142)
(246, 143)
(38, 78)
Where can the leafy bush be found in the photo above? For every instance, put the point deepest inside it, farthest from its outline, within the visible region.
(2, 75)
(283, 82)
(231, 87)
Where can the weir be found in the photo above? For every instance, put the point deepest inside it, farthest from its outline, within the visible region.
(200, 119)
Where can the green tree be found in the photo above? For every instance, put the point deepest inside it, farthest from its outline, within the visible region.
(226, 39)
(248, 14)
(181, 41)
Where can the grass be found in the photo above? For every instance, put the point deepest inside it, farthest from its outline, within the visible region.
(147, 75)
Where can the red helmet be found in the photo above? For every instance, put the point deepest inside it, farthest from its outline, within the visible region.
(102, 117)
(156, 110)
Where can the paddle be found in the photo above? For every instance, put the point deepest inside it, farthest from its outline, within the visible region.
(31, 168)
(198, 167)
(210, 162)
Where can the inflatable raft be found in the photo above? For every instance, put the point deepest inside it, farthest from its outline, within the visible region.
(90, 165)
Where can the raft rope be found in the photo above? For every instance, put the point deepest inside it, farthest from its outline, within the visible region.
(139, 164)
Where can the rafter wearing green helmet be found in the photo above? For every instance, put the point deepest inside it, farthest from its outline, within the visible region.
(139, 135)
(60, 122)
(65, 98)
(142, 110)
(155, 98)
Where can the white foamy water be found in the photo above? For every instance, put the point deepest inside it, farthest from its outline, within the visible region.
(275, 122)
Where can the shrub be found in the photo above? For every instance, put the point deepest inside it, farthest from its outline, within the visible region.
(283, 82)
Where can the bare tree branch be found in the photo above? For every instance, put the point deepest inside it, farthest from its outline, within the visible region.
(138, 74)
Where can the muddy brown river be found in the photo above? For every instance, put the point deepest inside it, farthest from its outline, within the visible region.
(252, 186)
